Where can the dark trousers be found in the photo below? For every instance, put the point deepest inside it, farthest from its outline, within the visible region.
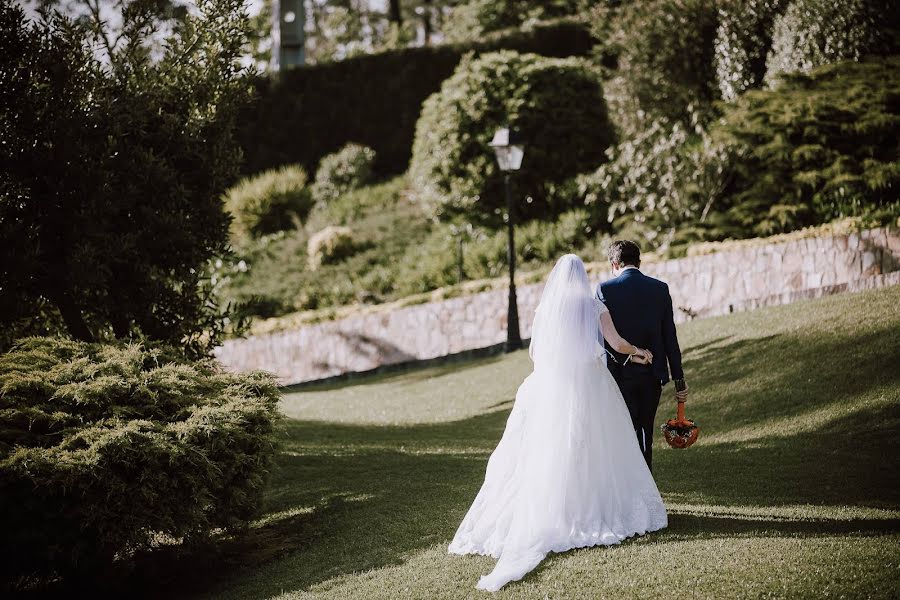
(641, 390)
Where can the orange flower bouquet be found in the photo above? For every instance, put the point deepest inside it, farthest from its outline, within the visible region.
(680, 432)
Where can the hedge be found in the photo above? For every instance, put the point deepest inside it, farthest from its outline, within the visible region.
(106, 448)
(303, 114)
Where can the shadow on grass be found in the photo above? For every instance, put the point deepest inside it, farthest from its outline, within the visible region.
(347, 498)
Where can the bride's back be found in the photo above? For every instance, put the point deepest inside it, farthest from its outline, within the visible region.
(565, 329)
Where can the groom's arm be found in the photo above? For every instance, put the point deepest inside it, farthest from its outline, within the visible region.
(670, 338)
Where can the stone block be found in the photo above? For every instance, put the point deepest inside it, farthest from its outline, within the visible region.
(869, 263)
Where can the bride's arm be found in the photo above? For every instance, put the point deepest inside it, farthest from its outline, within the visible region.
(618, 343)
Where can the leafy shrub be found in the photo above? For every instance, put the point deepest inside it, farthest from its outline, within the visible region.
(105, 448)
(343, 171)
(556, 103)
(383, 92)
(330, 246)
(271, 201)
(811, 33)
(818, 147)
(471, 20)
(665, 51)
(743, 41)
(663, 179)
(113, 171)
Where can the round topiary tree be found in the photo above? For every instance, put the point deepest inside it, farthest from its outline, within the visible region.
(558, 106)
(812, 33)
(343, 171)
(268, 202)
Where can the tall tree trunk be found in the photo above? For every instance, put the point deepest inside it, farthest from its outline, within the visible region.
(426, 21)
(72, 316)
(394, 14)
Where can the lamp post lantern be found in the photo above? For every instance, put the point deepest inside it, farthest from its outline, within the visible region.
(507, 145)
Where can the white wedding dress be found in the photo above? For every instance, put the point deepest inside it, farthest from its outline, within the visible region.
(567, 472)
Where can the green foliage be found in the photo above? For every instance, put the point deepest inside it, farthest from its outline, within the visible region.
(374, 100)
(471, 20)
(268, 202)
(110, 204)
(344, 171)
(665, 51)
(277, 278)
(818, 147)
(743, 41)
(664, 186)
(105, 448)
(811, 33)
(558, 106)
(434, 264)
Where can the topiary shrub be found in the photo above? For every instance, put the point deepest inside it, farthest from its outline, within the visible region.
(556, 103)
(104, 449)
(330, 245)
(743, 41)
(343, 171)
(271, 201)
(811, 33)
(816, 148)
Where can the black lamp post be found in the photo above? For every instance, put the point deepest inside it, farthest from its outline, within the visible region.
(508, 147)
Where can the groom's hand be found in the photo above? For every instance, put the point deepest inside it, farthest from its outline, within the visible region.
(681, 390)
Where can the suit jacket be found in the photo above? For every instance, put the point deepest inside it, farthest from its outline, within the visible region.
(641, 308)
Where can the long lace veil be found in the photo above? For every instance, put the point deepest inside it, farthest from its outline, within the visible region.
(564, 332)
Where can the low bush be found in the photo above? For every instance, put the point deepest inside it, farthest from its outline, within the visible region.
(106, 448)
(818, 147)
(271, 201)
(330, 246)
(342, 172)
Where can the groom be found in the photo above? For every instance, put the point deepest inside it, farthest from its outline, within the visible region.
(641, 308)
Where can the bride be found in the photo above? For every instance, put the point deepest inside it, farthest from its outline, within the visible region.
(567, 472)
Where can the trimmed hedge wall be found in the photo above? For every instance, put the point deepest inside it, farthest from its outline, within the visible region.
(106, 448)
(303, 114)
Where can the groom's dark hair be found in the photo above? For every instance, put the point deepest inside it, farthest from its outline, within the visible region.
(624, 252)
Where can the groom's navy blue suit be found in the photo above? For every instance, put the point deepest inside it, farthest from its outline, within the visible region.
(641, 308)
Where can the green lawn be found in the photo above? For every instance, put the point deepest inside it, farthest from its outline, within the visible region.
(792, 490)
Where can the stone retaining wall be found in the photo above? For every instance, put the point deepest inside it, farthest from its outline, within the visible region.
(701, 286)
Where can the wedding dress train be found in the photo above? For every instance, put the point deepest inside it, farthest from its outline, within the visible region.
(567, 472)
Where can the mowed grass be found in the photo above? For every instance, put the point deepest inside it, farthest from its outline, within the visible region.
(792, 490)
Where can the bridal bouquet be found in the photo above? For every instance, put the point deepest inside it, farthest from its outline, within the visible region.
(680, 432)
